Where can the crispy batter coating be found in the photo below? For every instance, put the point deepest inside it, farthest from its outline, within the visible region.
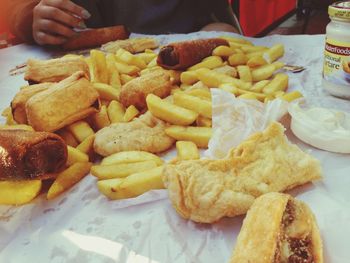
(135, 91)
(146, 133)
(207, 190)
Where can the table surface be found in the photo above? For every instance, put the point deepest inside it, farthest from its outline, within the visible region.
(82, 225)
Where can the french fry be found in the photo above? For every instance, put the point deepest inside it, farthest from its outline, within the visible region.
(131, 157)
(203, 122)
(76, 156)
(16, 127)
(258, 86)
(209, 62)
(130, 113)
(88, 61)
(106, 91)
(130, 59)
(188, 77)
(114, 78)
(68, 178)
(19, 192)
(147, 57)
(124, 78)
(126, 69)
(254, 54)
(133, 185)
(237, 40)
(115, 111)
(153, 63)
(139, 183)
(256, 95)
(274, 53)
(86, 146)
(68, 137)
(175, 90)
(290, 96)
(278, 65)
(99, 66)
(223, 51)
(251, 49)
(249, 96)
(244, 73)
(202, 107)
(278, 94)
(187, 150)
(121, 170)
(174, 76)
(200, 93)
(279, 82)
(211, 78)
(227, 70)
(237, 59)
(81, 130)
(229, 87)
(256, 61)
(101, 119)
(263, 72)
(199, 135)
(169, 112)
(268, 98)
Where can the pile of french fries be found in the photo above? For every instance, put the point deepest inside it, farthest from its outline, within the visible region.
(245, 70)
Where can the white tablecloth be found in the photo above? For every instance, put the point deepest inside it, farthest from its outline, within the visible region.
(81, 225)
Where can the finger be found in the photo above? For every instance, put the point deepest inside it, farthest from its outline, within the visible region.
(69, 6)
(54, 13)
(50, 26)
(43, 38)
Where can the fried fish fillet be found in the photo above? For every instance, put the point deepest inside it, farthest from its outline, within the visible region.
(278, 228)
(207, 190)
(146, 133)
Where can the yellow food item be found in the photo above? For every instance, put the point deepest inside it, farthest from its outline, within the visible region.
(101, 119)
(169, 112)
(199, 135)
(130, 113)
(187, 150)
(202, 107)
(86, 146)
(68, 178)
(99, 66)
(121, 170)
(19, 192)
(106, 91)
(116, 111)
(131, 157)
(76, 156)
(133, 185)
(81, 130)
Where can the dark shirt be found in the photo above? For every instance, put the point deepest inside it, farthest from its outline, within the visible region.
(152, 16)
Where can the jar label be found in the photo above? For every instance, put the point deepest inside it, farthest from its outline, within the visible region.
(336, 67)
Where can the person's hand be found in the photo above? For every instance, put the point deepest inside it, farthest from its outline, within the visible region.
(54, 20)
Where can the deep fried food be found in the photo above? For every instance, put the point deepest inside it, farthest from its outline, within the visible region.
(29, 155)
(145, 133)
(135, 91)
(19, 101)
(68, 101)
(182, 55)
(54, 70)
(133, 45)
(96, 37)
(278, 228)
(207, 190)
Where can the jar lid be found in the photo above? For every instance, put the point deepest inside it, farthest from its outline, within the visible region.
(340, 9)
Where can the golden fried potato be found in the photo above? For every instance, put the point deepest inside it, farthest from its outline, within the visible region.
(68, 178)
(19, 192)
(187, 150)
(199, 135)
(131, 157)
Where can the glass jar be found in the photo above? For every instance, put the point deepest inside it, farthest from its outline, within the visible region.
(336, 66)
